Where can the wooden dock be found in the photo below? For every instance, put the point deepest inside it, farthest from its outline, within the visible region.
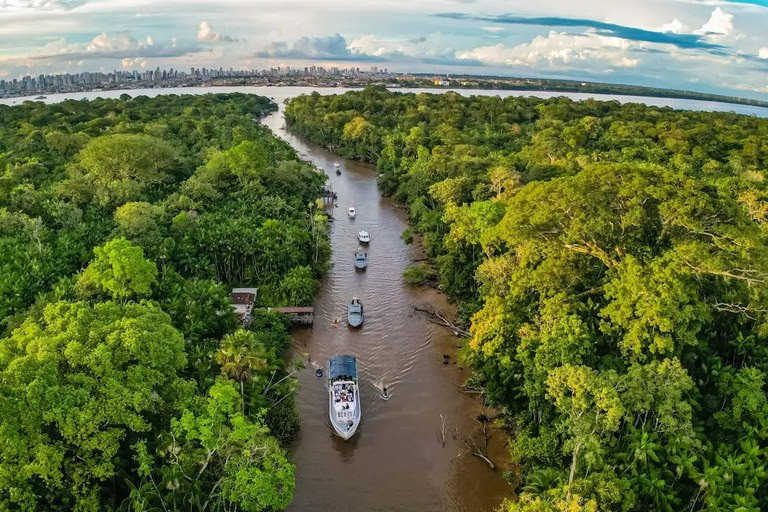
(297, 314)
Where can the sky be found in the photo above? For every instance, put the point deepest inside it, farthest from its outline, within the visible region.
(718, 46)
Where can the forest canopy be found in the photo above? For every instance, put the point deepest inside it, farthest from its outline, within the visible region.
(612, 260)
(126, 383)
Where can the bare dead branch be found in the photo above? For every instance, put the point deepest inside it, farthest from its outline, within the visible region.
(438, 318)
(443, 417)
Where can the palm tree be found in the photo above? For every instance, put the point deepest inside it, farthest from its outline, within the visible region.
(239, 356)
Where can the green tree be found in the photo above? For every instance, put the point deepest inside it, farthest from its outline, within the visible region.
(298, 286)
(80, 384)
(124, 167)
(119, 270)
(215, 458)
(240, 355)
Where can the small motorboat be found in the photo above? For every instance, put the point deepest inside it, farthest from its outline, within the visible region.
(385, 394)
(361, 260)
(355, 313)
(336, 165)
(344, 408)
(351, 212)
(319, 373)
(364, 237)
(338, 172)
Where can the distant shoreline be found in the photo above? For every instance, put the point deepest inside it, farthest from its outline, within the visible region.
(577, 86)
(415, 81)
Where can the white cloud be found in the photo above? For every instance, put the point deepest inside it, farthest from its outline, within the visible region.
(493, 29)
(116, 45)
(206, 34)
(435, 48)
(109, 43)
(676, 27)
(373, 45)
(763, 53)
(558, 50)
(43, 5)
(720, 22)
(134, 63)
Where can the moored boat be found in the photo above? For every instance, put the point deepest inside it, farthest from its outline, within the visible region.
(336, 164)
(361, 260)
(364, 237)
(344, 408)
(351, 212)
(355, 313)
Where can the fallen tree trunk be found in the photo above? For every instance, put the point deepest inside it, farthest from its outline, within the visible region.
(437, 318)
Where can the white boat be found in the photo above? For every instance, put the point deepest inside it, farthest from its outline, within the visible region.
(344, 408)
(351, 212)
(364, 237)
(336, 165)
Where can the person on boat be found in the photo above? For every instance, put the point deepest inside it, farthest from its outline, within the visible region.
(335, 322)
(384, 392)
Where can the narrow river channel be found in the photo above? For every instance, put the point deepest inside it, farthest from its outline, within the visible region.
(396, 461)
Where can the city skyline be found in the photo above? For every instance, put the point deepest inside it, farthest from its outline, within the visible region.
(87, 80)
(700, 45)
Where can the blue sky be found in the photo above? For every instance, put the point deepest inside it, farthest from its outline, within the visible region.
(705, 45)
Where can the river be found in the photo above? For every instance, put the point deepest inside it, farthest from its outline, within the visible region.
(396, 461)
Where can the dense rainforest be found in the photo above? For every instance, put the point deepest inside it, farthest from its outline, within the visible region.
(126, 383)
(613, 261)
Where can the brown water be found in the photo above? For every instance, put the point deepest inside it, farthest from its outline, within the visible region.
(396, 461)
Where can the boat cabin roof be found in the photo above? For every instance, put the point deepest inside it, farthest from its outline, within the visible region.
(342, 366)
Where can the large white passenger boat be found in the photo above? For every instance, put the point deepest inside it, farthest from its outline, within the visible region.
(343, 395)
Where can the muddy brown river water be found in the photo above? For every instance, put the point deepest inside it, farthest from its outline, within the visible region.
(396, 461)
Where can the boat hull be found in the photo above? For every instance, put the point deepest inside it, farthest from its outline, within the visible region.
(355, 320)
(344, 434)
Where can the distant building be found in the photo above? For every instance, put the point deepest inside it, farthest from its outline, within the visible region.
(242, 302)
(442, 82)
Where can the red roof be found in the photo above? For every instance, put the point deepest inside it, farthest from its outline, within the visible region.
(243, 298)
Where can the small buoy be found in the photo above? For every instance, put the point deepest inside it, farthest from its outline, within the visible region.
(319, 373)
